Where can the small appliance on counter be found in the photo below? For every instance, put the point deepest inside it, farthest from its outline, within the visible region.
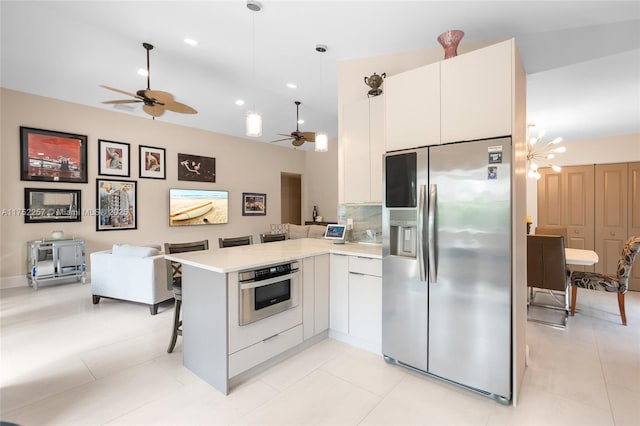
(336, 233)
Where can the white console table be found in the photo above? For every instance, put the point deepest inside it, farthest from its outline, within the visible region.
(55, 260)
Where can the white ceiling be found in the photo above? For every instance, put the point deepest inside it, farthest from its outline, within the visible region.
(582, 57)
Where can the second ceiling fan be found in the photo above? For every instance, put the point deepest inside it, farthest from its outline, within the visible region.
(297, 137)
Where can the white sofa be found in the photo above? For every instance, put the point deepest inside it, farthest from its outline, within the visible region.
(132, 273)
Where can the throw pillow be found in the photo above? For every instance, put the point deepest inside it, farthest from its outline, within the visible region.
(316, 231)
(298, 231)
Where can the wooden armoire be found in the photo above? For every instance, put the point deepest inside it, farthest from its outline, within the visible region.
(599, 205)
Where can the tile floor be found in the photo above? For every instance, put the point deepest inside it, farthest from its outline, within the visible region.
(68, 362)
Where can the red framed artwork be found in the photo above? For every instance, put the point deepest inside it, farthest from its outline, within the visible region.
(50, 156)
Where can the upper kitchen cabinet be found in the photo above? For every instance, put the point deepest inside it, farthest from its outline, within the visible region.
(362, 148)
(412, 108)
(477, 94)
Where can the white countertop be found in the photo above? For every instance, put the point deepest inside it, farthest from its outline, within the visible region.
(238, 258)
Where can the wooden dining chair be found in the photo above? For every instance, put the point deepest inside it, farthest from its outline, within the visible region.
(613, 284)
(174, 282)
(547, 272)
(552, 230)
(235, 241)
(268, 238)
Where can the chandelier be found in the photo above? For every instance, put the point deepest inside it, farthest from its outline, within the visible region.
(539, 153)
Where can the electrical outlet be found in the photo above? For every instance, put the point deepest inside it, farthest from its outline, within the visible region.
(349, 223)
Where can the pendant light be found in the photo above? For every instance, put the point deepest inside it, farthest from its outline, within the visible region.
(322, 140)
(253, 118)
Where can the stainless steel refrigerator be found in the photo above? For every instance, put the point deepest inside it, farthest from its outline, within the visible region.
(446, 289)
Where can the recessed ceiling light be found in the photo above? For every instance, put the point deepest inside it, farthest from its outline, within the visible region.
(190, 41)
(292, 86)
(239, 102)
(142, 72)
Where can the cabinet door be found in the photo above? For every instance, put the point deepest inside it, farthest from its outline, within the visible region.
(308, 296)
(321, 294)
(578, 211)
(339, 293)
(633, 227)
(476, 94)
(356, 162)
(611, 215)
(376, 146)
(365, 308)
(412, 108)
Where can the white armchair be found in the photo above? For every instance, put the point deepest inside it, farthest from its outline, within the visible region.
(132, 273)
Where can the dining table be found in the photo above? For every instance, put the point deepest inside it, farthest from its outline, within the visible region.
(580, 257)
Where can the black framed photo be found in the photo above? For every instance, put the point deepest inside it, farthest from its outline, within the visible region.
(52, 205)
(153, 164)
(51, 156)
(116, 205)
(196, 168)
(113, 158)
(254, 204)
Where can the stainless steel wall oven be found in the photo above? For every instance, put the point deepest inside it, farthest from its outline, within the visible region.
(268, 290)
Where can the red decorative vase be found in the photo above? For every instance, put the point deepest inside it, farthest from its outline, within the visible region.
(450, 40)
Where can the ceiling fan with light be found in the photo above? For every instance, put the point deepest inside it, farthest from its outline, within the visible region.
(297, 137)
(155, 102)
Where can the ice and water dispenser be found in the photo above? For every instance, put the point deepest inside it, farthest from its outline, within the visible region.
(403, 233)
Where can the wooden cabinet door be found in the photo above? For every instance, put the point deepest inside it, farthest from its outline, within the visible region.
(476, 94)
(633, 227)
(566, 199)
(355, 152)
(578, 212)
(611, 210)
(412, 108)
(550, 194)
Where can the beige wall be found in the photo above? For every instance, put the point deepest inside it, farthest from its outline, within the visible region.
(241, 166)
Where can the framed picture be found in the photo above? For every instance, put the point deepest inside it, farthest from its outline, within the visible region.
(51, 205)
(254, 204)
(116, 205)
(50, 156)
(196, 168)
(113, 158)
(152, 162)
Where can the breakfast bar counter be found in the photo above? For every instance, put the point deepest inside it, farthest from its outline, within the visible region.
(233, 259)
(244, 307)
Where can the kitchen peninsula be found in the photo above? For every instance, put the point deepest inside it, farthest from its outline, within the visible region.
(220, 350)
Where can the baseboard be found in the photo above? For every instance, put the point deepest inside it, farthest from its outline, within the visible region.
(15, 281)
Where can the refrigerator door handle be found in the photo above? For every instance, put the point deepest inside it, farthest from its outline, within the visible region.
(421, 260)
(433, 197)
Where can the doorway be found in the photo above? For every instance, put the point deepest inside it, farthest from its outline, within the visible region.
(291, 198)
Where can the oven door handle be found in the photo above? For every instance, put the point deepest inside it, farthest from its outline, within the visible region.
(253, 284)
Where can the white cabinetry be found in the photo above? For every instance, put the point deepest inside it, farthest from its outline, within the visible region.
(356, 300)
(362, 143)
(466, 97)
(477, 94)
(339, 293)
(412, 108)
(365, 301)
(315, 295)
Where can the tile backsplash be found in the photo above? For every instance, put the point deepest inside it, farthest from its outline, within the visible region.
(367, 221)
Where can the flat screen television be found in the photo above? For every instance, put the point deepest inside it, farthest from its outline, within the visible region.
(198, 207)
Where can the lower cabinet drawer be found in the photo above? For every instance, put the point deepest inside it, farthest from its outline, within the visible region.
(255, 354)
(365, 265)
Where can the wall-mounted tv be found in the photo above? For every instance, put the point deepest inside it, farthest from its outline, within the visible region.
(198, 207)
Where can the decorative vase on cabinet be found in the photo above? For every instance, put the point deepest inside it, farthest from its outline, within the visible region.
(450, 40)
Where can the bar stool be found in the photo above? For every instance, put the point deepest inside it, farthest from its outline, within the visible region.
(174, 281)
(235, 241)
